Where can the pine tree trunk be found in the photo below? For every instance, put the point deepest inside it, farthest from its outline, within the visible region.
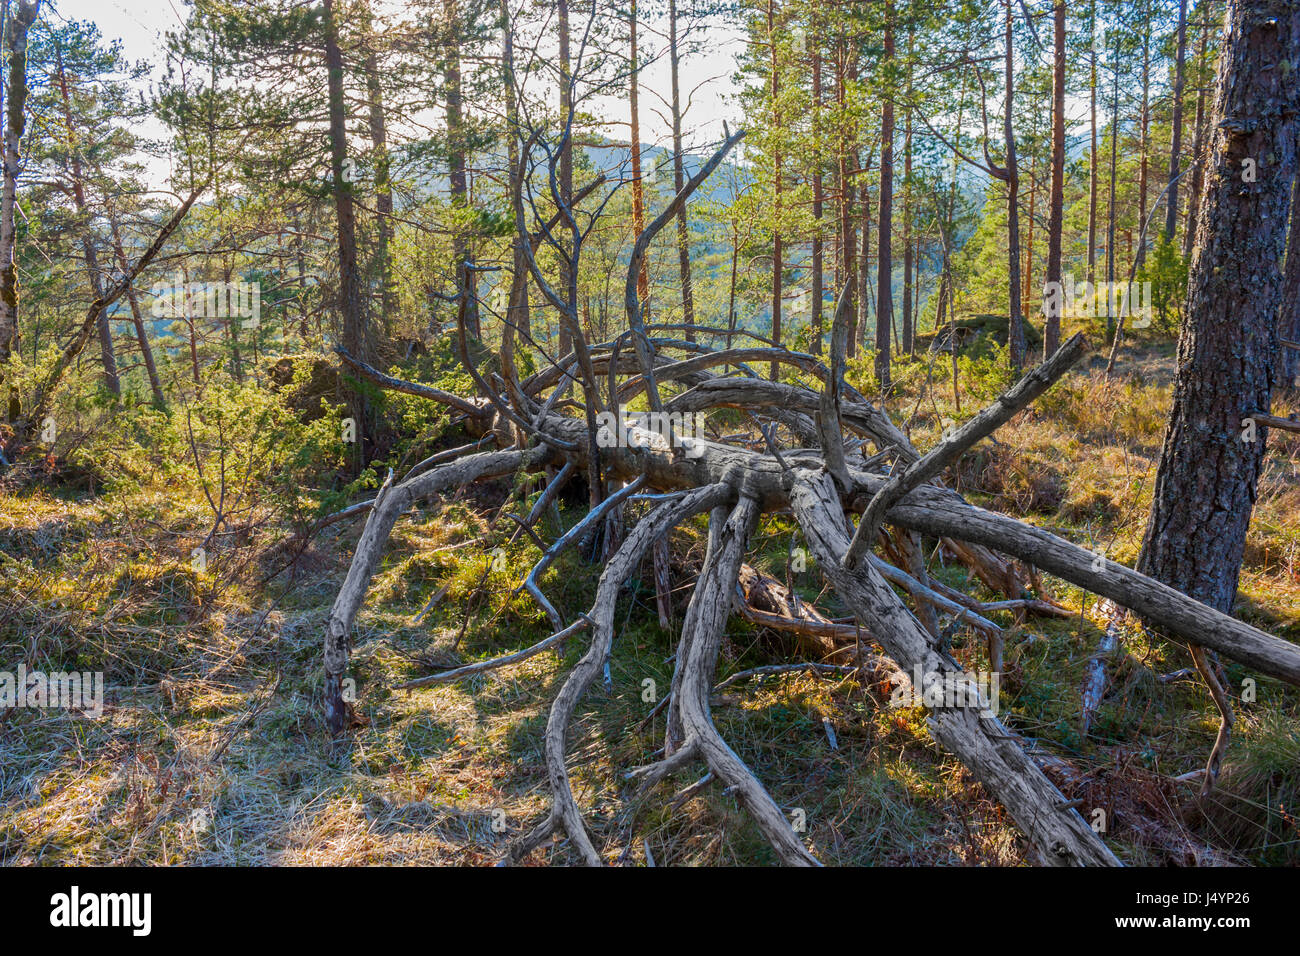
(519, 320)
(777, 264)
(1015, 330)
(382, 267)
(1110, 219)
(818, 191)
(846, 158)
(15, 125)
(638, 186)
(565, 168)
(137, 317)
(1288, 319)
(885, 224)
(1144, 145)
(1092, 153)
(679, 178)
(1056, 211)
(908, 262)
(111, 380)
(858, 339)
(458, 183)
(355, 339)
(1194, 197)
(1206, 484)
(1175, 149)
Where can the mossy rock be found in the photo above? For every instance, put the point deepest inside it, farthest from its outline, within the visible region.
(308, 380)
(971, 328)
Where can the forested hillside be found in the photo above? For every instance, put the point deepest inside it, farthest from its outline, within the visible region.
(650, 433)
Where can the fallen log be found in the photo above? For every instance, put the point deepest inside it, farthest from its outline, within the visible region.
(977, 738)
(941, 513)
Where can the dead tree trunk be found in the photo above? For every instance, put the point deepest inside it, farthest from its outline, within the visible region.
(819, 484)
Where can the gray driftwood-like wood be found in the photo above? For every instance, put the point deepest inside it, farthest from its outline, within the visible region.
(990, 751)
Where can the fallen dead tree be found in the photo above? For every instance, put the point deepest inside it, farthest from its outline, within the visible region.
(822, 486)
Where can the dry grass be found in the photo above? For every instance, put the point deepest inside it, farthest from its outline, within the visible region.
(211, 749)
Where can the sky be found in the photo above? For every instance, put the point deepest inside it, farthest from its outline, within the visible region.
(706, 77)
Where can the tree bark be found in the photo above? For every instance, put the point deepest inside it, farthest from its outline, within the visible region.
(1092, 151)
(355, 337)
(1015, 330)
(1175, 149)
(679, 178)
(382, 268)
(565, 168)
(818, 187)
(638, 186)
(15, 125)
(778, 265)
(142, 338)
(111, 379)
(885, 222)
(908, 262)
(1206, 483)
(1056, 213)
(1194, 196)
(458, 183)
(1288, 317)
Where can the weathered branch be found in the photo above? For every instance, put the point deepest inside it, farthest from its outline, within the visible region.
(951, 448)
(392, 502)
(640, 342)
(980, 740)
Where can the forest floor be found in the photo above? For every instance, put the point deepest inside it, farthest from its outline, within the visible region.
(212, 749)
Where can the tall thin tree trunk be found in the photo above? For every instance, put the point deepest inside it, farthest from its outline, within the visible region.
(565, 168)
(864, 262)
(818, 191)
(1288, 319)
(111, 379)
(1171, 208)
(518, 318)
(382, 267)
(885, 223)
(846, 159)
(908, 262)
(15, 125)
(1210, 463)
(458, 182)
(778, 265)
(1144, 146)
(679, 177)
(638, 186)
(1015, 331)
(1198, 143)
(1056, 213)
(1092, 151)
(1027, 291)
(1110, 221)
(142, 338)
(355, 339)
